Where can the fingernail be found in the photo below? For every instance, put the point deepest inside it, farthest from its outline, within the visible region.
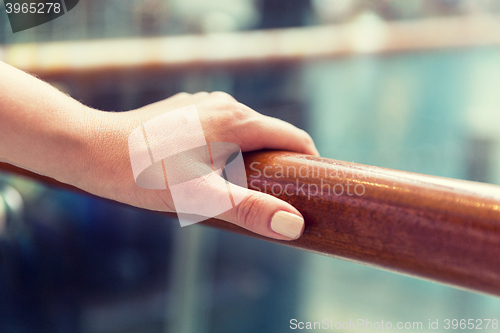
(287, 224)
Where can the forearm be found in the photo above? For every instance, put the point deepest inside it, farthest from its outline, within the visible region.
(42, 129)
(47, 132)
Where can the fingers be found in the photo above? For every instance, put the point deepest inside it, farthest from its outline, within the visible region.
(272, 133)
(244, 126)
(278, 134)
(209, 195)
(205, 193)
(267, 216)
(201, 192)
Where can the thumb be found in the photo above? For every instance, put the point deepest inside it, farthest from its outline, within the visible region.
(267, 216)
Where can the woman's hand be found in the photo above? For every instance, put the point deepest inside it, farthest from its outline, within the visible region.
(108, 170)
(50, 133)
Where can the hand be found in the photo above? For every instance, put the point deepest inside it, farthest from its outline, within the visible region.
(223, 119)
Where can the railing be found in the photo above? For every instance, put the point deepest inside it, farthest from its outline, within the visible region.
(96, 57)
(435, 228)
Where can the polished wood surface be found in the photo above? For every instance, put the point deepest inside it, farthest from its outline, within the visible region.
(429, 227)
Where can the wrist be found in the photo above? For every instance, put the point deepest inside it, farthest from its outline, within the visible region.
(105, 162)
(77, 145)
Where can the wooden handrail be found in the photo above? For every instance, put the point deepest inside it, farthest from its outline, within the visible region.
(435, 228)
(54, 60)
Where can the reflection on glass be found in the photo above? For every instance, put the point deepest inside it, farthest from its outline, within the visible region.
(80, 264)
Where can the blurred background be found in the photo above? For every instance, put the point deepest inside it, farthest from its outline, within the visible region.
(409, 85)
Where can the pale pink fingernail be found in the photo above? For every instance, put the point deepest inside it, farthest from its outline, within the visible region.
(287, 224)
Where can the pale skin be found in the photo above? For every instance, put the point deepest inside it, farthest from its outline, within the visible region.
(50, 133)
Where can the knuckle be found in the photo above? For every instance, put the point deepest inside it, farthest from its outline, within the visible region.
(221, 95)
(182, 94)
(240, 112)
(248, 211)
(234, 113)
(308, 138)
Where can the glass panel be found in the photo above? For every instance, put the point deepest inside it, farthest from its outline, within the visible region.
(427, 104)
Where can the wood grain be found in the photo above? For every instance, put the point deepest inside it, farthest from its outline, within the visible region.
(429, 227)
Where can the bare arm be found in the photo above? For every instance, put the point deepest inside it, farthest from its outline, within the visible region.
(47, 132)
(41, 129)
